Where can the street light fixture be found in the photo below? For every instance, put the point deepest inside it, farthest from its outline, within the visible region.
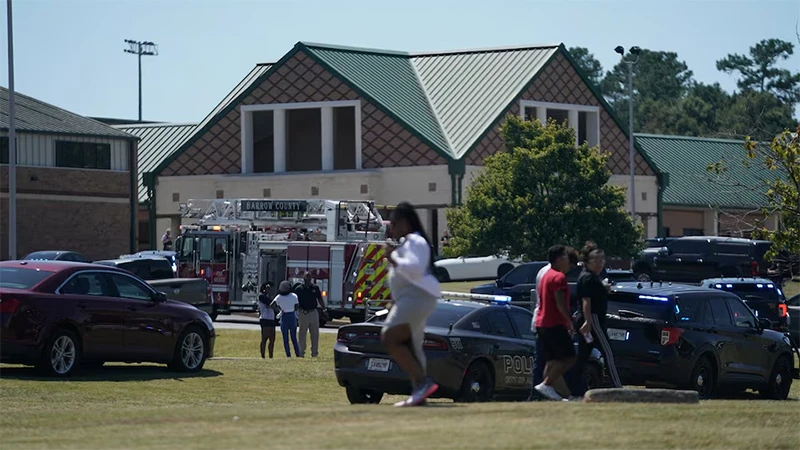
(635, 50)
(141, 48)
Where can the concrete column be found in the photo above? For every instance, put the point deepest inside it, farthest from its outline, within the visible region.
(541, 114)
(279, 140)
(572, 120)
(247, 142)
(326, 118)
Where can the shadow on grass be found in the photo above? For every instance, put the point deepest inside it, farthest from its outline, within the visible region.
(746, 395)
(109, 373)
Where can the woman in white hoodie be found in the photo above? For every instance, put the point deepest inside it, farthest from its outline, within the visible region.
(415, 291)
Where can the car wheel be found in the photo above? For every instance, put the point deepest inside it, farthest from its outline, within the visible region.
(61, 355)
(358, 396)
(593, 376)
(190, 351)
(441, 274)
(478, 385)
(780, 380)
(703, 378)
(643, 275)
(504, 269)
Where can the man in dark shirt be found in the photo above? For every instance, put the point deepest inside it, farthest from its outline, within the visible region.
(310, 298)
(591, 319)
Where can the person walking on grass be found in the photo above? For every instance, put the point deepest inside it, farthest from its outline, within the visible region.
(538, 358)
(553, 322)
(415, 292)
(310, 298)
(286, 301)
(591, 320)
(266, 319)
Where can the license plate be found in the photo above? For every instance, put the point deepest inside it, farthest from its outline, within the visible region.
(378, 365)
(617, 335)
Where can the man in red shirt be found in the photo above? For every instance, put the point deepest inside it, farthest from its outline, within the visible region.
(553, 322)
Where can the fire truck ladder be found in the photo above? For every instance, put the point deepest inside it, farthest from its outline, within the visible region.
(328, 214)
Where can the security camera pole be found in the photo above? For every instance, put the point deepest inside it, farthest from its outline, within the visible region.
(635, 52)
(12, 145)
(141, 48)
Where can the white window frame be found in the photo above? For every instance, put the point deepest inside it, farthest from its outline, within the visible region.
(572, 111)
(326, 115)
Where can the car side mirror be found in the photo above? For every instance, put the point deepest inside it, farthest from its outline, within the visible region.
(664, 251)
(498, 282)
(764, 323)
(159, 297)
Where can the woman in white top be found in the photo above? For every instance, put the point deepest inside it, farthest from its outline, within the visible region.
(287, 302)
(266, 320)
(415, 292)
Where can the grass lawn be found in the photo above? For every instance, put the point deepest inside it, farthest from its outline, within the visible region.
(297, 403)
(791, 288)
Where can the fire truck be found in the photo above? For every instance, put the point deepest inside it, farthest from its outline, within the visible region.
(239, 244)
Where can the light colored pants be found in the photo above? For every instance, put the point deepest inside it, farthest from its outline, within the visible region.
(309, 322)
(414, 312)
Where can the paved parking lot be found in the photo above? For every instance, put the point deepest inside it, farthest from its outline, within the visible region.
(245, 321)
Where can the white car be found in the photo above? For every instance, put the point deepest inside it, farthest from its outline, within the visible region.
(466, 268)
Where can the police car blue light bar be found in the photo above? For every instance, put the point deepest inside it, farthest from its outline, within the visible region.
(498, 299)
(502, 299)
(654, 297)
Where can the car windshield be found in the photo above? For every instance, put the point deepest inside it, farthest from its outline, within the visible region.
(42, 255)
(19, 278)
(758, 293)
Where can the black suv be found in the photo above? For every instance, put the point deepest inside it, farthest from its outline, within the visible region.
(695, 258)
(694, 337)
(762, 296)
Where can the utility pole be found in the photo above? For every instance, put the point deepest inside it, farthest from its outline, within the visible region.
(12, 144)
(141, 48)
(631, 160)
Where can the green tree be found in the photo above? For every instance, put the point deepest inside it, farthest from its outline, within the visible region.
(660, 81)
(757, 114)
(759, 72)
(590, 66)
(541, 191)
(781, 160)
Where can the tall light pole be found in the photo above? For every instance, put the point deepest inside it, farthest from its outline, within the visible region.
(630, 62)
(141, 48)
(12, 144)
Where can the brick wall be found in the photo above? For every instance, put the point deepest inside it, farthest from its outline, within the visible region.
(59, 181)
(97, 230)
(52, 215)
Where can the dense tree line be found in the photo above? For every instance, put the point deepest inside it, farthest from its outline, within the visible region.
(668, 100)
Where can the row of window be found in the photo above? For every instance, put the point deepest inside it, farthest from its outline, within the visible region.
(78, 155)
(717, 310)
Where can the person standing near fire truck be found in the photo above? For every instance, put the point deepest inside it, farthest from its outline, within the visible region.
(286, 300)
(267, 320)
(310, 298)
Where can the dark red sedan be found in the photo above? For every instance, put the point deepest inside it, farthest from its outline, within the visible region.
(61, 315)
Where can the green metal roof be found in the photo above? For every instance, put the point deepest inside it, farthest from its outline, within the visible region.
(469, 90)
(685, 160)
(449, 98)
(35, 116)
(390, 80)
(157, 142)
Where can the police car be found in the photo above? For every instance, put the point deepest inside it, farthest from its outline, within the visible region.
(477, 351)
(762, 296)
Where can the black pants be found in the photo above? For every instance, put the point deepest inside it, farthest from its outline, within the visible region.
(574, 377)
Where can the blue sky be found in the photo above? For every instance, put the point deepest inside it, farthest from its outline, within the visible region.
(70, 53)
